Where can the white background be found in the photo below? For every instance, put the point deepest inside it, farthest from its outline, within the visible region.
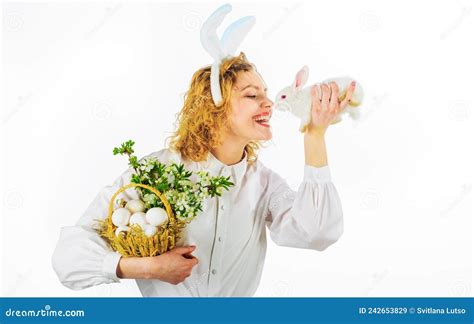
(80, 78)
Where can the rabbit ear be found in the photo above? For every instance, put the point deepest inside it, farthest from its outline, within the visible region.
(235, 34)
(209, 38)
(301, 78)
(232, 37)
(215, 86)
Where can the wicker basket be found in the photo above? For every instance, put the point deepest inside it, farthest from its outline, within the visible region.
(134, 242)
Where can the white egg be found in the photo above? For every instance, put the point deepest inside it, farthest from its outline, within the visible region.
(149, 230)
(156, 216)
(138, 218)
(121, 229)
(135, 205)
(120, 217)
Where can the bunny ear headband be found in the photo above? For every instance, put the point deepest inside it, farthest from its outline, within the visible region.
(226, 46)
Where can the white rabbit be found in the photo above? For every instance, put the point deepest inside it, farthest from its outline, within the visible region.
(298, 100)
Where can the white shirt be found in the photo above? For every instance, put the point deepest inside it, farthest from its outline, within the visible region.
(229, 233)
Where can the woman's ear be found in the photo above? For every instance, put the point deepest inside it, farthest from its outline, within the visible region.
(301, 78)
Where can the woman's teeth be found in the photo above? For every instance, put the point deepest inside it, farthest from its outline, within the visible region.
(262, 120)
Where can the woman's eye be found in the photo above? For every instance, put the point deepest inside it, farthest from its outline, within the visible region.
(251, 96)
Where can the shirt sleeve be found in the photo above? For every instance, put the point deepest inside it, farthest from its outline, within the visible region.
(310, 218)
(82, 258)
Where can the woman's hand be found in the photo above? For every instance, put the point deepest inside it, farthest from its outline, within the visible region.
(173, 266)
(326, 106)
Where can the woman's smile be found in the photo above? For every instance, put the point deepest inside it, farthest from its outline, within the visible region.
(263, 119)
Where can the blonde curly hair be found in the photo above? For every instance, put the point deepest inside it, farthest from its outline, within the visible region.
(200, 122)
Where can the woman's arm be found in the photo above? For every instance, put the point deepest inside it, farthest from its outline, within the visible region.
(173, 266)
(132, 268)
(82, 258)
(312, 217)
(315, 150)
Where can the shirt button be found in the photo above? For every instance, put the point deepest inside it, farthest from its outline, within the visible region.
(214, 271)
(222, 207)
(219, 239)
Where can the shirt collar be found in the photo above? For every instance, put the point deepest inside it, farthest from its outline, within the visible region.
(217, 168)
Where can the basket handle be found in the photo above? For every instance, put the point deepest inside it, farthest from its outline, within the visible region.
(169, 210)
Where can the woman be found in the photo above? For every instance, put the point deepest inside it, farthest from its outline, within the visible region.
(223, 249)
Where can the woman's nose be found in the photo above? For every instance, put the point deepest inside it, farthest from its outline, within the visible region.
(268, 103)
